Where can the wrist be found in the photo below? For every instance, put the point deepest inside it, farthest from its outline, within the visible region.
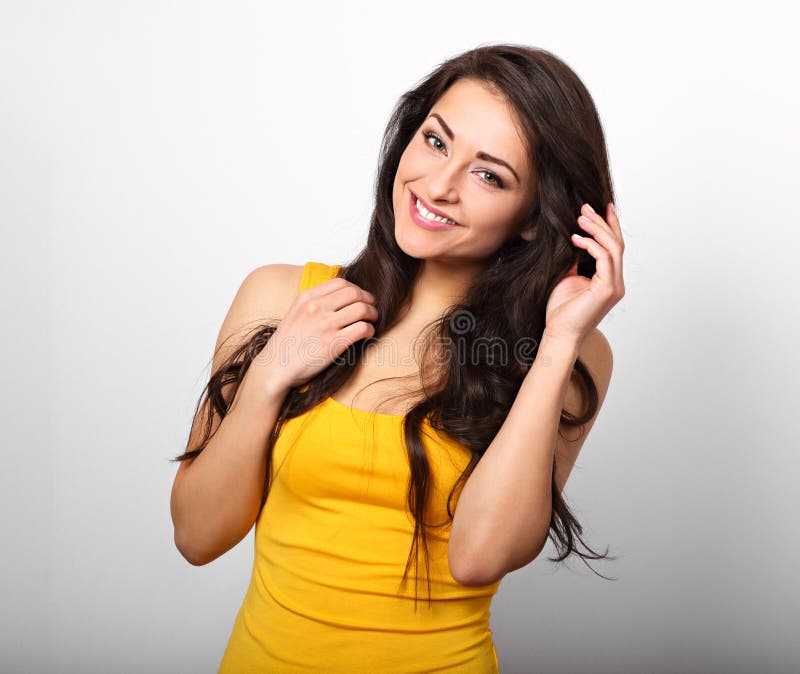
(561, 340)
(275, 389)
(264, 391)
(555, 357)
(559, 352)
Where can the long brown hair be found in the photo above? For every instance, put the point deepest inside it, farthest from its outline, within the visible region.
(471, 397)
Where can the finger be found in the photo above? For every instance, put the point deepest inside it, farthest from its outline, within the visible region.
(612, 245)
(587, 212)
(613, 220)
(334, 285)
(607, 238)
(603, 257)
(351, 313)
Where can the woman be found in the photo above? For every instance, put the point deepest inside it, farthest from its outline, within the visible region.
(487, 172)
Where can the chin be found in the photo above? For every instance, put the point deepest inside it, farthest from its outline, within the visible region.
(409, 247)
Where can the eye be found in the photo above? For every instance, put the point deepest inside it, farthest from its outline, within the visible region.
(430, 135)
(496, 180)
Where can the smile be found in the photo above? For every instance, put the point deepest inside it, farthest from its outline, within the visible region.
(425, 218)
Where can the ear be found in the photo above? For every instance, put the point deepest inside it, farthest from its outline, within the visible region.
(529, 233)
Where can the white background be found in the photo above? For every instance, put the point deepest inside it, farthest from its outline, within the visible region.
(154, 153)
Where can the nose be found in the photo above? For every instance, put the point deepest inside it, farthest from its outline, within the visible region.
(442, 183)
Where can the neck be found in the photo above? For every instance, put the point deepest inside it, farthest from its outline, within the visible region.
(440, 284)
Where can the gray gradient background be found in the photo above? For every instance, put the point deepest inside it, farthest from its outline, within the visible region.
(152, 154)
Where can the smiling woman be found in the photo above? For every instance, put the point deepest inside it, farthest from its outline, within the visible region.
(487, 170)
(461, 181)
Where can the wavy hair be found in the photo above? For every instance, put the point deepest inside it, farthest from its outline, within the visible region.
(468, 398)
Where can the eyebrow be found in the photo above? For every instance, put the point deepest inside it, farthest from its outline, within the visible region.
(481, 154)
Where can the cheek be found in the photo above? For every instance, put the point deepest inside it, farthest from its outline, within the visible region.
(495, 223)
(492, 213)
(400, 173)
(398, 187)
(404, 174)
(412, 162)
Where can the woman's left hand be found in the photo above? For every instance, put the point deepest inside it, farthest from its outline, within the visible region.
(577, 304)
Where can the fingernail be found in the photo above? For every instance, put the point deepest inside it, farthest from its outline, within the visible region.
(613, 208)
(589, 206)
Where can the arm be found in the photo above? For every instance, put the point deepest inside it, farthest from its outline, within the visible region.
(216, 496)
(503, 513)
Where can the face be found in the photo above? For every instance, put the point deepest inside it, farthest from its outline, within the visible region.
(468, 162)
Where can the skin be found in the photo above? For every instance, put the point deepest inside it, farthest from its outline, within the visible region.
(486, 199)
(513, 476)
(447, 174)
(489, 202)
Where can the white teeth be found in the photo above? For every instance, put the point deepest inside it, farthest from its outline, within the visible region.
(430, 216)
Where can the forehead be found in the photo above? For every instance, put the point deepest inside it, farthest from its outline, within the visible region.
(483, 121)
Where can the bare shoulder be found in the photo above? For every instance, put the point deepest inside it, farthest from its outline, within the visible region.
(266, 293)
(272, 288)
(596, 354)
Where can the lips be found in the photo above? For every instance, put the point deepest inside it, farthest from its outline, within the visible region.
(430, 208)
(422, 221)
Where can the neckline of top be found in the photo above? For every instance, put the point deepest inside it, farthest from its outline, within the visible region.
(365, 413)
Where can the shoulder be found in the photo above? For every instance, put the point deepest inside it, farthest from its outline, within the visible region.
(269, 290)
(596, 354)
(276, 276)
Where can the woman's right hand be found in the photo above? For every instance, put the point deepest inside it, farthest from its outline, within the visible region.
(322, 322)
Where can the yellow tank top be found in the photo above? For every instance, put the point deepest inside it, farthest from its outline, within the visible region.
(331, 545)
